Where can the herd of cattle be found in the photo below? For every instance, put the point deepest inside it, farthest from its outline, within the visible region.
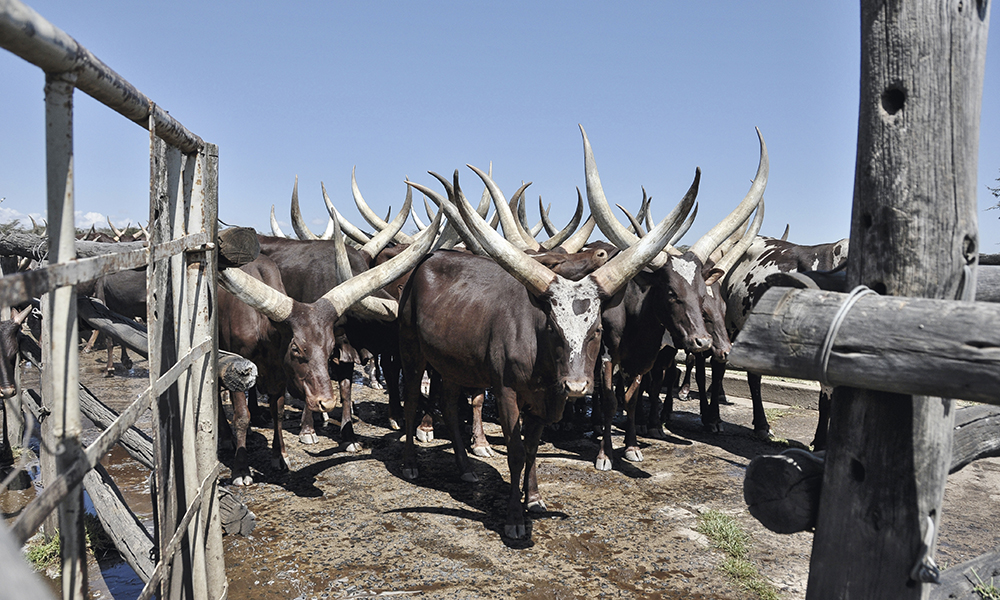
(539, 323)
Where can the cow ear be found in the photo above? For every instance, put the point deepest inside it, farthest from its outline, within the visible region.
(713, 276)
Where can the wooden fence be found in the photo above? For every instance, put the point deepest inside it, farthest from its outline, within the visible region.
(181, 274)
(914, 233)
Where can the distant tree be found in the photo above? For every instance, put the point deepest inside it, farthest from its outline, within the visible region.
(996, 192)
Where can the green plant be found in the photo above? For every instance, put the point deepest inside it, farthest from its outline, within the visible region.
(43, 555)
(988, 591)
(727, 535)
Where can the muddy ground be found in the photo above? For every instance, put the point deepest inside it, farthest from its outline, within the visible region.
(349, 525)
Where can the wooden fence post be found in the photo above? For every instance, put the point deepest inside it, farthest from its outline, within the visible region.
(913, 233)
(59, 379)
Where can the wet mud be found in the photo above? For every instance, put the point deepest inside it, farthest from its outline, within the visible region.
(342, 524)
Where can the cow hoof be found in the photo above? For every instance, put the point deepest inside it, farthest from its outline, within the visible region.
(394, 424)
(281, 464)
(633, 455)
(515, 532)
(483, 451)
(309, 438)
(110, 373)
(470, 477)
(242, 481)
(537, 506)
(764, 434)
(410, 473)
(712, 427)
(354, 447)
(425, 435)
(684, 395)
(656, 433)
(375, 385)
(603, 463)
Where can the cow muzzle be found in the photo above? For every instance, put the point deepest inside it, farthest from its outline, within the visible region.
(699, 344)
(7, 391)
(577, 388)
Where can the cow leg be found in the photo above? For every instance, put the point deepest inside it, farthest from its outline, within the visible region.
(241, 421)
(717, 396)
(307, 429)
(371, 373)
(258, 416)
(425, 430)
(684, 393)
(760, 426)
(93, 340)
(412, 380)
(279, 455)
(344, 372)
(711, 421)
(451, 395)
(660, 374)
(109, 370)
(510, 421)
(390, 367)
(825, 403)
(480, 446)
(126, 361)
(632, 451)
(609, 406)
(533, 427)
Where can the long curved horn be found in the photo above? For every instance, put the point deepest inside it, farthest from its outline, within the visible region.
(641, 214)
(507, 220)
(535, 276)
(550, 227)
(684, 228)
(564, 234)
(579, 239)
(346, 226)
(710, 241)
(636, 224)
(599, 208)
(275, 228)
(354, 289)
(454, 218)
(519, 222)
(734, 254)
(784, 236)
(328, 232)
(118, 233)
(416, 220)
(369, 215)
(298, 223)
(451, 235)
(381, 239)
(255, 293)
(617, 272)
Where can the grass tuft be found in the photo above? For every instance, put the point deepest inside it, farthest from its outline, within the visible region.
(44, 555)
(987, 591)
(727, 535)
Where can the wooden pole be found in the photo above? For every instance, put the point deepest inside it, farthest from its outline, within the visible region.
(59, 377)
(913, 233)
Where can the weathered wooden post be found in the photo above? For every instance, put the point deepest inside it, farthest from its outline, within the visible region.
(61, 432)
(913, 233)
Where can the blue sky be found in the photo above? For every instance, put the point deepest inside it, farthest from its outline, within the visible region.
(401, 88)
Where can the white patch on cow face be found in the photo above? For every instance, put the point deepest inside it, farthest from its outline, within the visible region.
(576, 308)
(708, 290)
(685, 268)
(815, 265)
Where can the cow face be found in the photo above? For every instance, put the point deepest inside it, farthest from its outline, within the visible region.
(571, 338)
(714, 311)
(310, 330)
(679, 289)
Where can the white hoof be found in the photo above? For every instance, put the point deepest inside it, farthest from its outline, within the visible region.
(354, 447)
(483, 451)
(538, 506)
(394, 425)
(242, 481)
(411, 474)
(309, 438)
(515, 532)
(633, 455)
(761, 434)
(470, 477)
(603, 464)
(282, 463)
(425, 435)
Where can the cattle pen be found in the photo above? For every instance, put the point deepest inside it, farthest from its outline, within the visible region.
(186, 546)
(877, 521)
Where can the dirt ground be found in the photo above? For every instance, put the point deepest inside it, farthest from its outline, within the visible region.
(342, 525)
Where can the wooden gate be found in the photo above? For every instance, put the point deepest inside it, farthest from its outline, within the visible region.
(183, 353)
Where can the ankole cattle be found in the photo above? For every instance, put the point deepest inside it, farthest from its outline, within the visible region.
(663, 306)
(513, 325)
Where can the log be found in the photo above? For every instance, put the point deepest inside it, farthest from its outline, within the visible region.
(236, 518)
(123, 330)
(28, 245)
(782, 491)
(238, 246)
(960, 582)
(236, 373)
(886, 343)
(138, 445)
(129, 535)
